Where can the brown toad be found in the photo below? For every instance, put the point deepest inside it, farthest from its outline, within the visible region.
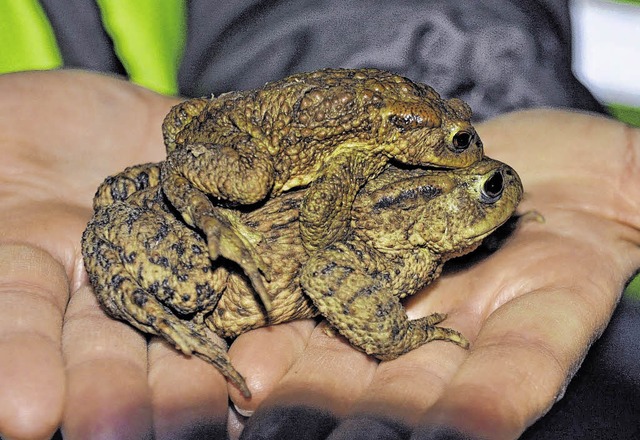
(152, 270)
(331, 129)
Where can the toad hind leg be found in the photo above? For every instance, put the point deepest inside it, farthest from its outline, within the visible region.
(123, 298)
(189, 341)
(364, 309)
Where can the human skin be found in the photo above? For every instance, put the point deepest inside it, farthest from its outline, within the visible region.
(531, 310)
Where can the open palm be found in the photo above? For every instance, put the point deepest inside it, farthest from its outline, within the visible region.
(531, 310)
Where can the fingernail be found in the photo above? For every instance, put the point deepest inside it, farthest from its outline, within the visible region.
(243, 412)
(299, 422)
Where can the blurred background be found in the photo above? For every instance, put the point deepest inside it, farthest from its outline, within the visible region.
(498, 55)
(606, 53)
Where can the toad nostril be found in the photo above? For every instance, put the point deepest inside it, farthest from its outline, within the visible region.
(462, 140)
(492, 188)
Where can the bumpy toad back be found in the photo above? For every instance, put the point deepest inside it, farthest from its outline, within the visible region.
(332, 130)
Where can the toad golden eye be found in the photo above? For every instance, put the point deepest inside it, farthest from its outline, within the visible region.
(462, 140)
(492, 188)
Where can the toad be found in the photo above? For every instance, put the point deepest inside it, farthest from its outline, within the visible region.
(331, 129)
(151, 269)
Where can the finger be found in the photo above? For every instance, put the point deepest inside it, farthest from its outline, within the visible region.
(402, 389)
(264, 356)
(107, 391)
(235, 423)
(33, 294)
(512, 376)
(189, 395)
(320, 387)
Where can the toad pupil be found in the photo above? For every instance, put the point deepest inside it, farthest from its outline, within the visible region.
(492, 188)
(462, 140)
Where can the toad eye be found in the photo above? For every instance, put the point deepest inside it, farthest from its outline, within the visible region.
(492, 188)
(462, 140)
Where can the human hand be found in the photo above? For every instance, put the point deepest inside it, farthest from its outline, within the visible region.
(73, 365)
(531, 310)
(62, 360)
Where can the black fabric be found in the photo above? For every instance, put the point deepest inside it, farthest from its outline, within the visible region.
(440, 433)
(498, 55)
(82, 40)
(299, 422)
(365, 427)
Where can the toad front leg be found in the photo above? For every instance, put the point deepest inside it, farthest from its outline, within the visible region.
(193, 173)
(326, 208)
(359, 302)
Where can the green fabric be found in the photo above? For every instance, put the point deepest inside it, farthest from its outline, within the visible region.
(149, 38)
(625, 113)
(633, 289)
(27, 41)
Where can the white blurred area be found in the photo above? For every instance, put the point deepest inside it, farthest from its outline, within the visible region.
(606, 49)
